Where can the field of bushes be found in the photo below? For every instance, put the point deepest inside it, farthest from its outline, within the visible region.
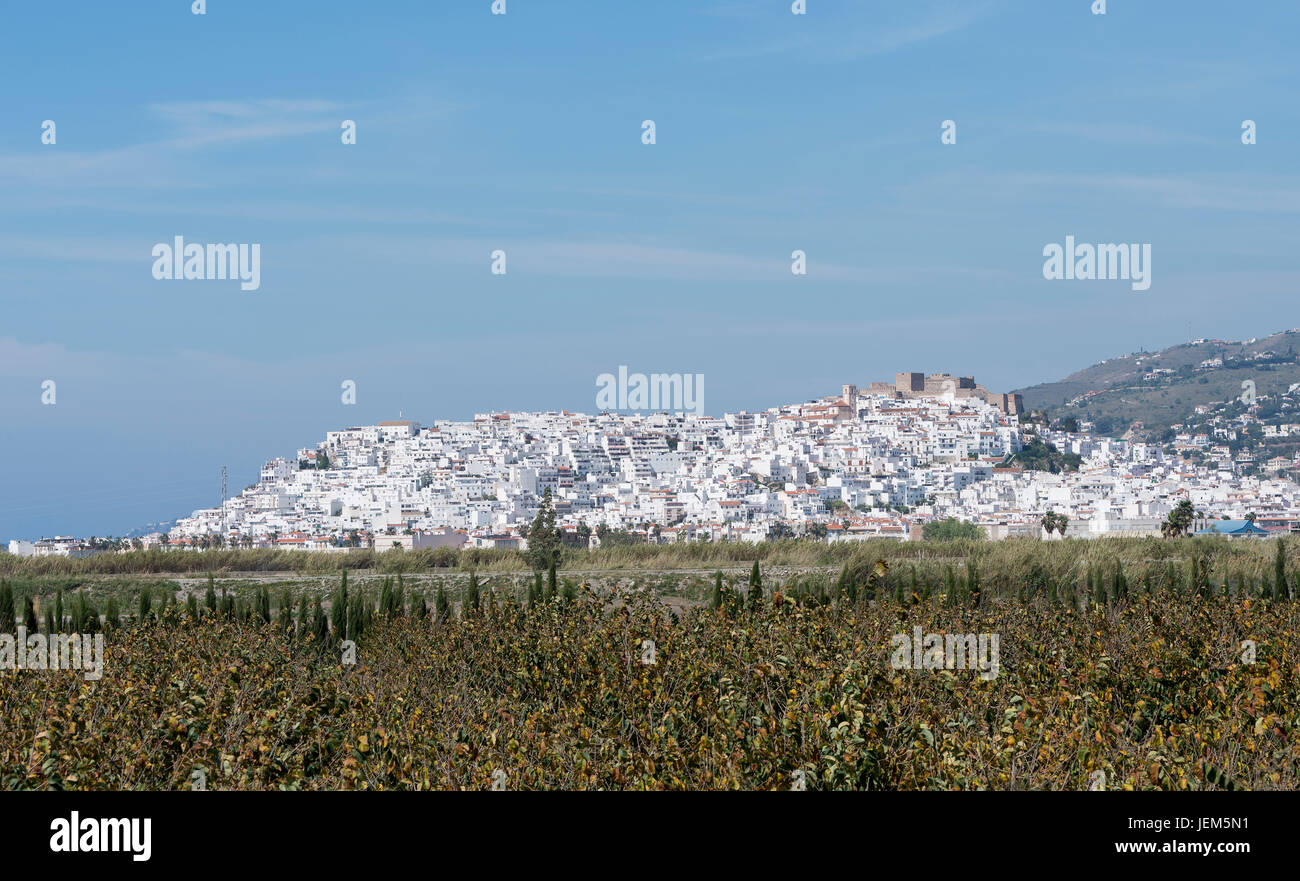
(1169, 665)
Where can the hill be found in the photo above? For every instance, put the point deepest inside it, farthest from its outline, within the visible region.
(1150, 391)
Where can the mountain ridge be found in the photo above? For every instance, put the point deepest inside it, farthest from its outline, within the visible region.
(1147, 393)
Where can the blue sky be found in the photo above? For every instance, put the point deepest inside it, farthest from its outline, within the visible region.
(522, 132)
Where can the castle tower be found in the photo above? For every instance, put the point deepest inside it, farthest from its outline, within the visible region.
(909, 382)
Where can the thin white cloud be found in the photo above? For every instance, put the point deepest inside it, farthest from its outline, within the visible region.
(640, 259)
(843, 41)
(1262, 194)
(1121, 133)
(75, 249)
(1276, 195)
(174, 159)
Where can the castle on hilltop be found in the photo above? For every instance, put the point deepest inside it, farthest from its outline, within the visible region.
(918, 385)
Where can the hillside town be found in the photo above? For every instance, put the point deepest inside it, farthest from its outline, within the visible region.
(878, 462)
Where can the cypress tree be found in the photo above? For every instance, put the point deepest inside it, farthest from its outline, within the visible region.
(471, 604)
(264, 604)
(339, 609)
(304, 616)
(715, 601)
(29, 615)
(755, 587)
(1279, 571)
(112, 615)
(286, 611)
(192, 607)
(356, 617)
(352, 616)
(50, 626)
(320, 626)
(144, 607)
(550, 581)
(210, 596)
(76, 611)
(91, 624)
(7, 619)
(441, 606)
(58, 612)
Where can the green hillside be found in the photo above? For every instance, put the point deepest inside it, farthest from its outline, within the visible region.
(1159, 389)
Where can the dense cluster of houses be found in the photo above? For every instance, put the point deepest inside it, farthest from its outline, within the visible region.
(868, 463)
(880, 462)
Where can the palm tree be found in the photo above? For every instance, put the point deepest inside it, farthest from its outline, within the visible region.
(1179, 521)
(1053, 522)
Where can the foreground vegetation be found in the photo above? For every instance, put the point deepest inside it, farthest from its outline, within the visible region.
(1009, 559)
(1139, 674)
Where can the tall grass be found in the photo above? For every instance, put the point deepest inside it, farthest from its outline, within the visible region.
(1002, 565)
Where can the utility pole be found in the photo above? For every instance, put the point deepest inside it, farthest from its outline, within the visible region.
(223, 501)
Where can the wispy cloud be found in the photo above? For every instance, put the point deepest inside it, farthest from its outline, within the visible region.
(1274, 195)
(188, 128)
(846, 39)
(204, 123)
(644, 259)
(1237, 193)
(1122, 133)
(74, 249)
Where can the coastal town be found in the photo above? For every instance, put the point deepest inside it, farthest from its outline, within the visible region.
(881, 461)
